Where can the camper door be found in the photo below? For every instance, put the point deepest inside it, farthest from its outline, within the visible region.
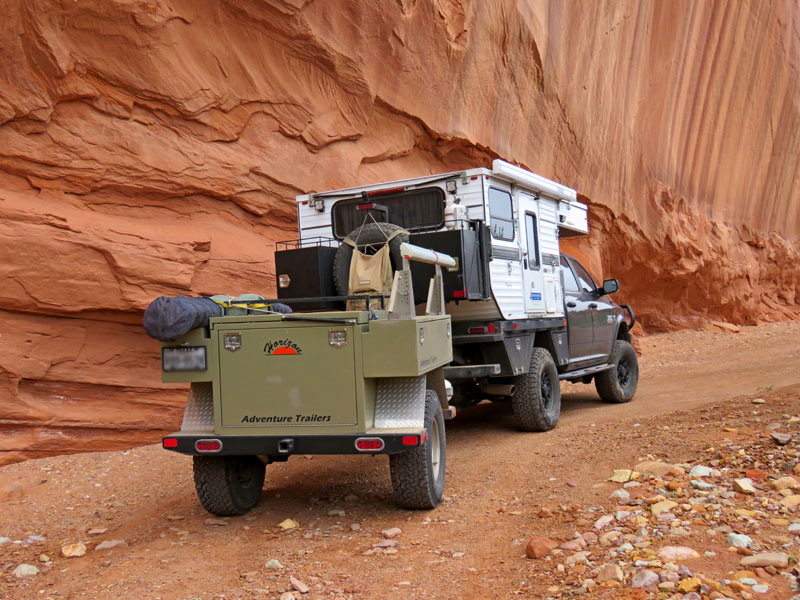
(532, 277)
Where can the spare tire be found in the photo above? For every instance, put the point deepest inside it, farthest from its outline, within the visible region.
(371, 233)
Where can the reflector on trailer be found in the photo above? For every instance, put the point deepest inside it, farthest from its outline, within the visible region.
(208, 445)
(460, 293)
(410, 440)
(369, 444)
(170, 443)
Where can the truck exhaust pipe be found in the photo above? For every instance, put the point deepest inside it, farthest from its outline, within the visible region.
(497, 389)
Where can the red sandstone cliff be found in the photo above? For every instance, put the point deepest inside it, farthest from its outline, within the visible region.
(155, 147)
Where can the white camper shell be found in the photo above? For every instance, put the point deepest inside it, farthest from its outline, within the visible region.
(524, 214)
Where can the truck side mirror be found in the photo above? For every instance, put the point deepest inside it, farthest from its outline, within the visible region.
(609, 287)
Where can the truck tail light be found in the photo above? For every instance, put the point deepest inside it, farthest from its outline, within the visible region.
(208, 445)
(169, 443)
(387, 191)
(369, 444)
(482, 329)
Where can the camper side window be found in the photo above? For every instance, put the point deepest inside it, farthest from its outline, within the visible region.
(501, 214)
(532, 232)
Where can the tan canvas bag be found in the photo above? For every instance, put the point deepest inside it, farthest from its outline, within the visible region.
(370, 274)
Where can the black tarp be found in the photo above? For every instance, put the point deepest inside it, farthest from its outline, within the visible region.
(167, 319)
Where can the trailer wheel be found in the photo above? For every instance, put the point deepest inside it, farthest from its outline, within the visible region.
(537, 396)
(618, 385)
(418, 473)
(228, 485)
(371, 233)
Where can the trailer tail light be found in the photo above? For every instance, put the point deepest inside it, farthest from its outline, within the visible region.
(491, 327)
(460, 293)
(169, 443)
(410, 440)
(369, 444)
(478, 330)
(208, 445)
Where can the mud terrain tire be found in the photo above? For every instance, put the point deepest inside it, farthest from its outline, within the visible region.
(228, 485)
(537, 396)
(418, 473)
(618, 385)
(371, 233)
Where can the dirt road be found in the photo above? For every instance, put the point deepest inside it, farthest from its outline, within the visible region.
(472, 546)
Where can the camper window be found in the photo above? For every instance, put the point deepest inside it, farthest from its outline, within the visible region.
(501, 214)
(532, 232)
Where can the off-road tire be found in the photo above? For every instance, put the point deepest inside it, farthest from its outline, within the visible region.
(417, 481)
(371, 233)
(537, 396)
(228, 485)
(618, 385)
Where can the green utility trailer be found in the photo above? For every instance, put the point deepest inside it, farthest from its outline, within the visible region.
(265, 387)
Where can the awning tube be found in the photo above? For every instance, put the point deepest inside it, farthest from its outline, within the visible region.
(424, 255)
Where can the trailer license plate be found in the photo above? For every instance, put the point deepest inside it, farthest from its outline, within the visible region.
(184, 358)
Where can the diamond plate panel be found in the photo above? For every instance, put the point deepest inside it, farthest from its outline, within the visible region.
(198, 417)
(400, 402)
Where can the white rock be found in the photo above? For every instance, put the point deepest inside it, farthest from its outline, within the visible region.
(677, 553)
(273, 564)
(621, 494)
(700, 471)
(739, 540)
(25, 570)
(109, 544)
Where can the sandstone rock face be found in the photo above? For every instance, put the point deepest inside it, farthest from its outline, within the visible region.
(152, 148)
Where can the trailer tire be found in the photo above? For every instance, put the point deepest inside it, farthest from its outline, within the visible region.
(418, 473)
(228, 485)
(618, 385)
(371, 233)
(537, 396)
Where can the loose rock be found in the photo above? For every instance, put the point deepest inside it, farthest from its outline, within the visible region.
(677, 553)
(273, 564)
(539, 547)
(109, 544)
(779, 560)
(73, 550)
(644, 579)
(25, 570)
(298, 585)
(391, 533)
(610, 573)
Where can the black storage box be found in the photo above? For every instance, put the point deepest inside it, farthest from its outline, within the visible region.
(310, 272)
(470, 246)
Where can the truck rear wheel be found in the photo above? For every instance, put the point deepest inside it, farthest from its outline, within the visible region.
(537, 395)
(618, 384)
(418, 473)
(228, 485)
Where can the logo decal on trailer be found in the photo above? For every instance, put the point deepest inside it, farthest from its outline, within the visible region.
(282, 347)
(536, 296)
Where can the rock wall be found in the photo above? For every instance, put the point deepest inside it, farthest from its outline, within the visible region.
(154, 147)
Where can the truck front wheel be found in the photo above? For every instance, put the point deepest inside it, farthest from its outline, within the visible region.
(228, 485)
(618, 384)
(418, 473)
(537, 395)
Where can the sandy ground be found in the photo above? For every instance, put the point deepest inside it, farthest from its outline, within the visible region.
(693, 384)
